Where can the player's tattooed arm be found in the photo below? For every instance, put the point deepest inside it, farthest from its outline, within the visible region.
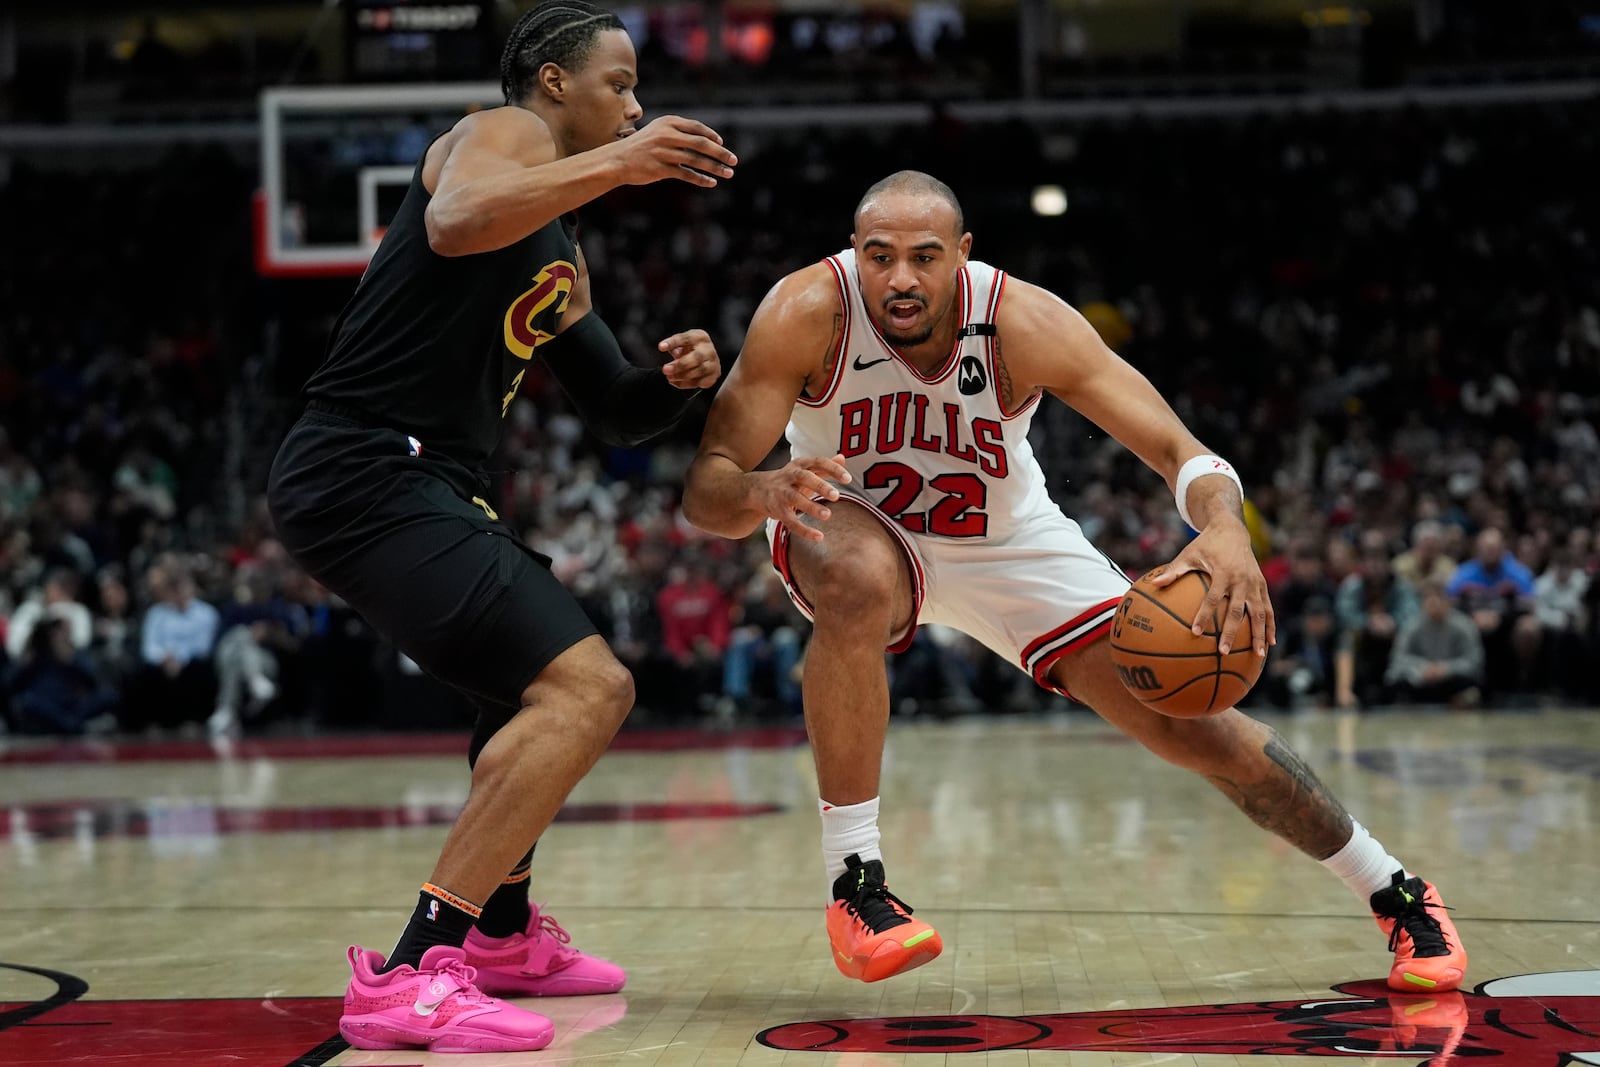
(817, 388)
(1281, 793)
(1002, 379)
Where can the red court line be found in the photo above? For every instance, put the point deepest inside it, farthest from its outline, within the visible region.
(101, 818)
(365, 746)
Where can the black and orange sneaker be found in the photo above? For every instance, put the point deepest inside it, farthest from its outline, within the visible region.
(1428, 956)
(872, 932)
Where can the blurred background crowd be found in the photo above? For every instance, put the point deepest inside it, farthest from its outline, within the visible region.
(1388, 318)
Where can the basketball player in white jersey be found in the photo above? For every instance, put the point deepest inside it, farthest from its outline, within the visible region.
(907, 374)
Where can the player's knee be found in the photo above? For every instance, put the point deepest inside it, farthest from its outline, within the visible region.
(593, 699)
(855, 586)
(604, 699)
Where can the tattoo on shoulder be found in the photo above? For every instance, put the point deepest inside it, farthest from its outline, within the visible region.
(828, 359)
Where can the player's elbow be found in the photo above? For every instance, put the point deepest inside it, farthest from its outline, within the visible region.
(446, 235)
(695, 511)
(695, 505)
(709, 520)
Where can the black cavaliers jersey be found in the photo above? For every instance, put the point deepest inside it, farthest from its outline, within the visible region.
(436, 346)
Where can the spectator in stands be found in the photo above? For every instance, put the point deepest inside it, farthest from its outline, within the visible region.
(1425, 561)
(257, 626)
(177, 685)
(53, 685)
(1560, 606)
(1301, 669)
(1373, 604)
(115, 646)
(1438, 657)
(695, 627)
(1308, 578)
(55, 601)
(148, 482)
(19, 480)
(1497, 591)
(766, 635)
(934, 674)
(1486, 330)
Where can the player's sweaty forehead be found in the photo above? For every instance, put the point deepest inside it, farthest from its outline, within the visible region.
(906, 218)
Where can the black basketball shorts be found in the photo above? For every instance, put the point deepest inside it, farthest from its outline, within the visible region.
(399, 537)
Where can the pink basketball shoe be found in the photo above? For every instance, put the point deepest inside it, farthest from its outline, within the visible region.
(539, 963)
(435, 1006)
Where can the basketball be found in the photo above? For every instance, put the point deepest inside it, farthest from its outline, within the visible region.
(1163, 663)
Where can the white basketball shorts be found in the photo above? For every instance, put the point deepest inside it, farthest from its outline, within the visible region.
(1032, 598)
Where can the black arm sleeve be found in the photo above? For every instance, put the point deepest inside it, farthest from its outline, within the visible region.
(621, 403)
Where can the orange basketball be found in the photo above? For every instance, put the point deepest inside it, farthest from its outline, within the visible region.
(1163, 663)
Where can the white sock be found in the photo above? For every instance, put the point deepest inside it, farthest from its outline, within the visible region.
(847, 830)
(1363, 864)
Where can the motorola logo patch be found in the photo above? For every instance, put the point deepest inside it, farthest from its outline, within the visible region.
(970, 379)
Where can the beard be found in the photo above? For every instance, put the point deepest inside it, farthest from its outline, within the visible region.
(904, 340)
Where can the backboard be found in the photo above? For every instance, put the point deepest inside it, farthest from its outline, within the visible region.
(335, 163)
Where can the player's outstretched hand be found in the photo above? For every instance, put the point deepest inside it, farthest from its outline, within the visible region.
(1222, 551)
(694, 360)
(676, 147)
(803, 486)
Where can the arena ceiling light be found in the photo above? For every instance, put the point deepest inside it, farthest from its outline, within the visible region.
(1049, 200)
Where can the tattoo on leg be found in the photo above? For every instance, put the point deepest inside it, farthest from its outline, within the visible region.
(1290, 801)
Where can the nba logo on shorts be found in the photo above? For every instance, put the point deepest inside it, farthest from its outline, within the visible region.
(433, 911)
(416, 445)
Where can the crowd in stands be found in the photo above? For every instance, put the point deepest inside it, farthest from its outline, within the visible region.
(1389, 321)
(120, 61)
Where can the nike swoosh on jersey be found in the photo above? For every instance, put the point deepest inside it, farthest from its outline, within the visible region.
(858, 365)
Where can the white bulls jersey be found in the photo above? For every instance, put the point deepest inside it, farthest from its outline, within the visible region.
(952, 478)
(937, 453)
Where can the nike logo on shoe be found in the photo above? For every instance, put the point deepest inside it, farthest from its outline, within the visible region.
(425, 1007)
(858, 365)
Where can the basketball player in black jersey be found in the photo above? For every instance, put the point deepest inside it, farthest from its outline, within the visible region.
(378, 492)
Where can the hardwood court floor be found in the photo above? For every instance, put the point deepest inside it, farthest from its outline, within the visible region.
(177, 906)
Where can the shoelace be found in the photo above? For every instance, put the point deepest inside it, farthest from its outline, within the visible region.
(465, 978)
(875, 906)
(547, 925)
(1427, 937)
(564, 953)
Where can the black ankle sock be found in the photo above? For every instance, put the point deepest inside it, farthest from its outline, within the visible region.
(506, 911)
(441, 918)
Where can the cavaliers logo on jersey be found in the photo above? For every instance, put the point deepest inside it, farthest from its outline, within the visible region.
(970, 379)
(552, 288)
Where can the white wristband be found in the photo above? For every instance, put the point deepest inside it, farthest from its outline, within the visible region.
(1199, 467)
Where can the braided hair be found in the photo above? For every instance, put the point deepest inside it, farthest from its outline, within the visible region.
(555, 31)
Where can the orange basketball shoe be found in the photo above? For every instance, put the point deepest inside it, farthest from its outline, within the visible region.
(872, 932)
(1428, 957)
